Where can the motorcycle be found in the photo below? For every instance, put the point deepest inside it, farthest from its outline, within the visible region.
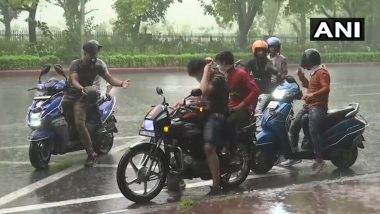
(342, 132)
(175, 145)
(46, 119)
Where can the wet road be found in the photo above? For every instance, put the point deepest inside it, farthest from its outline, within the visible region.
(67, 187)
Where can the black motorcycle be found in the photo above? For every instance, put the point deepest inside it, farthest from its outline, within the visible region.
(176, 145)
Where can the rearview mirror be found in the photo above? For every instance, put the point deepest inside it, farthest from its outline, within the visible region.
(159, 91)
(196, 92)
(58, 68)
(290, 79)
(44, 70)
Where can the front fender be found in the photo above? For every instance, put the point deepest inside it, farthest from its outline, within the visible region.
(38, 135)
(265, 138)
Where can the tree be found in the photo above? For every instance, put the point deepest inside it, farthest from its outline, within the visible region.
(269, 19)
(131, 13)
(227, 12)
(301, 10)
(72, 14)
(8, 14)
(31, 7)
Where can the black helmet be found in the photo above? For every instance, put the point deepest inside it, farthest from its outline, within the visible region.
(91, 48)
(310, 58)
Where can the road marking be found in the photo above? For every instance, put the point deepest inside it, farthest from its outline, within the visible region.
(369, 94)
(111, 196)
(41, 183)
(50, 179)
(27, 146)
(22, 163)
(105, 165)
(127, 137)
(14, 147)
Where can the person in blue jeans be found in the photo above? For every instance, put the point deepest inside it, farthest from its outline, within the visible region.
(316, 105)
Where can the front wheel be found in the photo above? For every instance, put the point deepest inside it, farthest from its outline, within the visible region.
(39, 154)
(344, 157)
(234, 179)
(103, 143)
(140, 174)
(263, 159)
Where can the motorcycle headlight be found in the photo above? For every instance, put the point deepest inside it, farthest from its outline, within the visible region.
(35, 119)
(148, 125)
(278, 94)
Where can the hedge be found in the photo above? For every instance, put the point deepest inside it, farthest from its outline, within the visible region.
(26, 61)
(181, 60)
(119, 60)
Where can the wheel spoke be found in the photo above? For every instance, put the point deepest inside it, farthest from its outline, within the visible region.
(134, 166)
(134, 181)
(145, 187)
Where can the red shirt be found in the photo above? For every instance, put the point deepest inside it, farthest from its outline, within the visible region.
(317, 80)
(243, 88)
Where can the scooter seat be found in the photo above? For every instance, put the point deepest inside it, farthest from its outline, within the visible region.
(334, 116)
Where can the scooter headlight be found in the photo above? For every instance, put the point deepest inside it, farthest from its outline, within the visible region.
(279, 94)
(35, 119)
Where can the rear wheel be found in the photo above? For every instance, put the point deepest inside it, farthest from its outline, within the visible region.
(344, 157)
(263, 159)
(39, 154)
(234, 179)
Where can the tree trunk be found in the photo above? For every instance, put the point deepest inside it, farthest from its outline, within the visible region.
(32, 25)
(136, 29)
(303, 30)
(243, 40)
(7, 24)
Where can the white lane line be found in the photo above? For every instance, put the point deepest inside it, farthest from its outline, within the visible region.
(41, 183)
(105, 166)
(107, 197)
(27, 146)
(127, 137)
(369, 94)
(22, 163)
(14, 147)
(50, 179)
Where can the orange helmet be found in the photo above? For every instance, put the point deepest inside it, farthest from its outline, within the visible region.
(259, 44)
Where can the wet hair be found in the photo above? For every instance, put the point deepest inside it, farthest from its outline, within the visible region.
(225, 57)
(91, 49)
(195, 66)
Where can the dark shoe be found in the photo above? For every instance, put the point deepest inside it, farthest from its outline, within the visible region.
(215, 191)
(91, 160)
(318, 167)
(173, 196)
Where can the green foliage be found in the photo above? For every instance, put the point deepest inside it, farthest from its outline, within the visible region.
(162, 60)
(187, 203)
(25, 61)
(130, 14)
(227, 12)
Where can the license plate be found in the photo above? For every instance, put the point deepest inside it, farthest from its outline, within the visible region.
(273, 105)
(147, 133)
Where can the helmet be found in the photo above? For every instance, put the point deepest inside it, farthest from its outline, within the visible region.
(310, 58)
(259, 44)
(274, 41)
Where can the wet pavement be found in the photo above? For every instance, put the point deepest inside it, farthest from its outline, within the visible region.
(67, 187)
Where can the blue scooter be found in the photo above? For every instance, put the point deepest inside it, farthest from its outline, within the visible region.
(52, 135)
(342, 132)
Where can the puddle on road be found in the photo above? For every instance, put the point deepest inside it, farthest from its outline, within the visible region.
(358, 196)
